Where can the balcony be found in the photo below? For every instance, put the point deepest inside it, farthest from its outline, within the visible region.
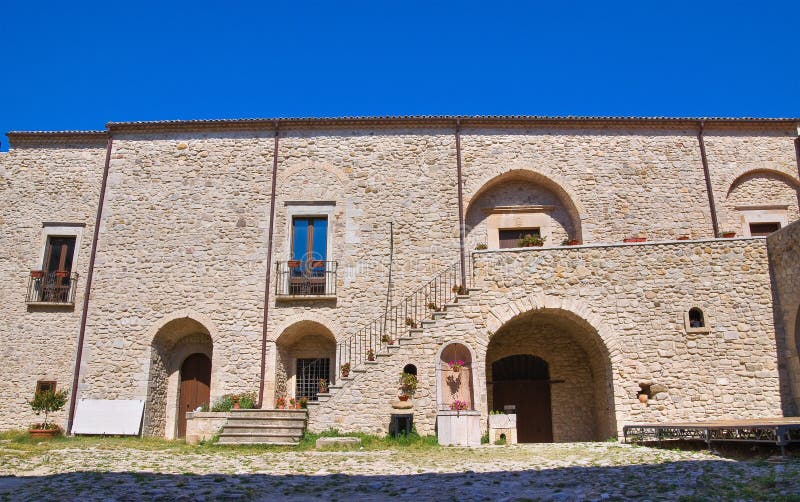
(306, 280)
(51, 288)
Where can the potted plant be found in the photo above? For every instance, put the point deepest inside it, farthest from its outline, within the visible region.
(388, 340)
(635, 239)
(408, 385)
(37, 274)
(482, 246)
(410, 323)
(322, 386)
(728, 234)
(456, 366)
(235, 401)
(317, 264)
(304, 402)
(370, 355)
(46, 402)
(345, 368)
(280, 402)
(62, 274)
(434, 307)
(569, 242)
(529, 240)
(294, 404)
(458, 406)
(459, 290)
(293, 263)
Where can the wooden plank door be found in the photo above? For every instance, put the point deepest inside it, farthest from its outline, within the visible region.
(195, 388)
(532, 401)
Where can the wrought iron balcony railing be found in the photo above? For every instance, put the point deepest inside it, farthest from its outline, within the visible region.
(52, 287)
(306, 278)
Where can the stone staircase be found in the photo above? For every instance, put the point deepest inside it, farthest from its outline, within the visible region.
(278, 427)
(410, 336)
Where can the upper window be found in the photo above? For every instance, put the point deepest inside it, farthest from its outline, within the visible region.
(54, 282)
(763, 229)
(510, 237)
(310, 239)
(45, 386)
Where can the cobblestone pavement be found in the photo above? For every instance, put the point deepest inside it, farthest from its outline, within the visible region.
(576, 471)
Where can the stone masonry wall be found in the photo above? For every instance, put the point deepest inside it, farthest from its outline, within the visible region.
(185, 225)
(53, 182)
(784, 255)
(634, 298)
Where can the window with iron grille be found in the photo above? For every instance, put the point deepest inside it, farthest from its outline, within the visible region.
(309, 371)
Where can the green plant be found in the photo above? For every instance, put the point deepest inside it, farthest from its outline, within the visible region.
(47, 402)
(247, 401)
(388, 340)
(481, 247)
(370, 355)
(434, 307)
(485, 438)
(322, 385)
(304, 402)
(345, 369)
(224, 403)
(529, 240)
(501, 440)
(408, 384)
(410, 323)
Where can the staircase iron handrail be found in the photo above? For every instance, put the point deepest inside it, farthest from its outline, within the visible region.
(405, 315)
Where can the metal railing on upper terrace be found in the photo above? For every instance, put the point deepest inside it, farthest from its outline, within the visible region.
(400, 318)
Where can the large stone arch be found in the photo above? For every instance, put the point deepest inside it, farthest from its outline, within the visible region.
(173, 339)
(759, 195)
(518, 198)
(584, 354)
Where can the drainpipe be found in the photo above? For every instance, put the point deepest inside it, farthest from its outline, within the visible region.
(461, 229)
(89, 276)
(269, 267)
(709, 189)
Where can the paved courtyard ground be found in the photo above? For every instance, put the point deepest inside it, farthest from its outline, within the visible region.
(133, 469)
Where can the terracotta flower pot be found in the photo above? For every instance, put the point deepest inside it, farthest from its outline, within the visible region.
(62, 274)
(317, 264)
(683, 238)
(728, 235)
(44, 433)
(37, 274)
(403, 397)
(643, 398)
(635, 239)
(293, 264)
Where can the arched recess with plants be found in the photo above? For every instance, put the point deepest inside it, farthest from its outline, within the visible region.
(521, 203)
(454, 377)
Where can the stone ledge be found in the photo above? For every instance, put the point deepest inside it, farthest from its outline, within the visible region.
(335, 441)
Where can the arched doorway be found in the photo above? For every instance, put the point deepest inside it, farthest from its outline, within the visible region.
(555, 369)
(522, 383)
(195, 388)
(306, 353)
(181, 350)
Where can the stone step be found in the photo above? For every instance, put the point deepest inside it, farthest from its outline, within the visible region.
(258, 430)
(276, 439)
(245, 421)
(268, 414)
(437, 315)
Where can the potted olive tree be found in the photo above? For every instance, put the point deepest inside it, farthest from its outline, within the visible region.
(47, 401)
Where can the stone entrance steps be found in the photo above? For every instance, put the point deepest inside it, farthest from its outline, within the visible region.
(278, 427)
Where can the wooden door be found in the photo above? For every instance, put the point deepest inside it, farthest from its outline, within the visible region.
(532, 401)
(195, 388)
(524, 381)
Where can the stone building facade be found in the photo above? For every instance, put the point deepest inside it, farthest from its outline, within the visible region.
(349, 229)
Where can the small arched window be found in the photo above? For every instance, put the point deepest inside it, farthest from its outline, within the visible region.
(696, 319)
(410, 369)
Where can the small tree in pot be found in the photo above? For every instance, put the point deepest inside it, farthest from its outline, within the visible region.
(46, 402)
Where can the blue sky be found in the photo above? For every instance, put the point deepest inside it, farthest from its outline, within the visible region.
(78, 65)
